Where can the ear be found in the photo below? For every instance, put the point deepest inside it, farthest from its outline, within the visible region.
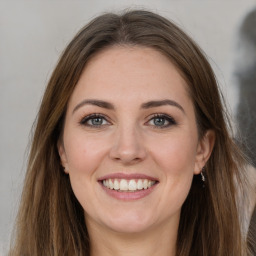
(204, 150)
(62, 154)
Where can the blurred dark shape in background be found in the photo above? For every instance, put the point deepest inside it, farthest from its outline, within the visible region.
(246, 77)
(246, 111)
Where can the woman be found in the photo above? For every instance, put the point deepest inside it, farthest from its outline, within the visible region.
(131, 153)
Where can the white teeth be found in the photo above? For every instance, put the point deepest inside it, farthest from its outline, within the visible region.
(132, 185)
(128, 185)
(116, 185)
(139, 185)
(111, 184)
(123, 185)
(145, 184)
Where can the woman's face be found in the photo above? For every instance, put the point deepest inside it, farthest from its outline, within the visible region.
(130, 143)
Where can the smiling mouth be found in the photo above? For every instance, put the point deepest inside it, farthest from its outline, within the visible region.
(131, 185)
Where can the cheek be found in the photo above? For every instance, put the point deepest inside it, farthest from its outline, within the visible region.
(177, 155)
(83, 153)
(178, 161)
(175, 158)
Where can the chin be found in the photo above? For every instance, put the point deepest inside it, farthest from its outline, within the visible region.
(130, 222)
(130, 227)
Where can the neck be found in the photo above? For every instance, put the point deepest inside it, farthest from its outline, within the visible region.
(154, 242)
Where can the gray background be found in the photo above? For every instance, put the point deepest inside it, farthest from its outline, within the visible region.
(32, 36)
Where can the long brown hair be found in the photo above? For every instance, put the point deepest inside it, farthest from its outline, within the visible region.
(50, 219)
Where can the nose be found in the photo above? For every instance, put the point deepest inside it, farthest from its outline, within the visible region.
(128, 147)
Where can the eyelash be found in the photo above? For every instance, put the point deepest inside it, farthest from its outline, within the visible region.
(88, 118)
(91, 117)
(165, 117)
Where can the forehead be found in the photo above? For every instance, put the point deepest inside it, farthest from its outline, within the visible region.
(130, 71)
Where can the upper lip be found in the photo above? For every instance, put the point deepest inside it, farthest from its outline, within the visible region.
(126, 176)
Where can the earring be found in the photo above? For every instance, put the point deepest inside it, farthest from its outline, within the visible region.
(202, 176)
(66, 170)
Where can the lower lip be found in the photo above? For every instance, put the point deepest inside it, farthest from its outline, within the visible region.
(128, 196)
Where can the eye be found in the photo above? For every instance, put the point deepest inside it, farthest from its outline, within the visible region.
(161, 121)
(94, 120)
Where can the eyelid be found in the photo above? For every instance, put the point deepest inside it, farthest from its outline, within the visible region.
(167, 117)
(86, 118)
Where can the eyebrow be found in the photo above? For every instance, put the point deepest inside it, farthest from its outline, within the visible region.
(159, 103)
(146, 105)
(98, 103)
